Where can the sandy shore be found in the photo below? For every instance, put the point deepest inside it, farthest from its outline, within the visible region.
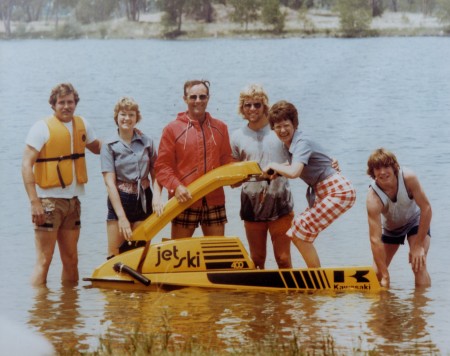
(311, 23)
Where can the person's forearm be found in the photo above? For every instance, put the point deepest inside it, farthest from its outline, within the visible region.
(167, 178)
(157, 203)
(287, 171)
(424, 224)
(379, 257)
(29, 184)
(157, 189)
(114, 198)
(95, 146)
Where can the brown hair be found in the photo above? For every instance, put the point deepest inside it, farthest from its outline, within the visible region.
(62, 89)
(191, 83)
(382, 158)
(281, 111)
(128, 104)
(253, 92)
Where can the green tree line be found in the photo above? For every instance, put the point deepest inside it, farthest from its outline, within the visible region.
(355, 15)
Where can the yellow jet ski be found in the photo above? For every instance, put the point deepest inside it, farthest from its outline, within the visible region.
(214, 261)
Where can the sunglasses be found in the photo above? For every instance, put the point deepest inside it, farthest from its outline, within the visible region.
(202, 97)
(255, 105)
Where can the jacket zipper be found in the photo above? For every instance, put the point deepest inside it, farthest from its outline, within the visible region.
(204, 147)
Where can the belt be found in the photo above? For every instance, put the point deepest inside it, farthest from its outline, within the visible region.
(137, 188)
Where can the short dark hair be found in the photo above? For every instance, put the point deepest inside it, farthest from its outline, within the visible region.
(191, 83)
(282, 111)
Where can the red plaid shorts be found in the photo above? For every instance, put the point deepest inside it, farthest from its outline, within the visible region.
(204, 215)
(334, 196)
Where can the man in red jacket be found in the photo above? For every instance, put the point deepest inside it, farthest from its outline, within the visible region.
(192, 145)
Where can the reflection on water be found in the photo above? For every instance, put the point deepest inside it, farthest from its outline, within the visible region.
(234, 320)
(399, 323)
(225, 319)
(55, 314)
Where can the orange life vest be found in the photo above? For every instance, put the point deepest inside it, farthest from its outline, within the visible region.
(54, 167)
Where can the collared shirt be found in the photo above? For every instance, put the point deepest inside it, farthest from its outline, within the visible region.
(130, 162)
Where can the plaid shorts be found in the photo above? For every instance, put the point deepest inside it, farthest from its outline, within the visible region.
(334, 196)
(204, 215)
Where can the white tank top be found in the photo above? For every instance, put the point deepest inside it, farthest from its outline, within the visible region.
(402, 214)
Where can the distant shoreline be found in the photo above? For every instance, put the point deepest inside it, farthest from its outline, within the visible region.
(313, 23)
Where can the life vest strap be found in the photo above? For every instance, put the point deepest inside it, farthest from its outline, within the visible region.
(59, 159)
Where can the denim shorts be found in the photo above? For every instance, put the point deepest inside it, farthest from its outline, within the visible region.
(132, 207)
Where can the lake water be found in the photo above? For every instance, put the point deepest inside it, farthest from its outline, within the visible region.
(352, 95)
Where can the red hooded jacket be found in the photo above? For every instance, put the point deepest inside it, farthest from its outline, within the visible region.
(188, 150)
